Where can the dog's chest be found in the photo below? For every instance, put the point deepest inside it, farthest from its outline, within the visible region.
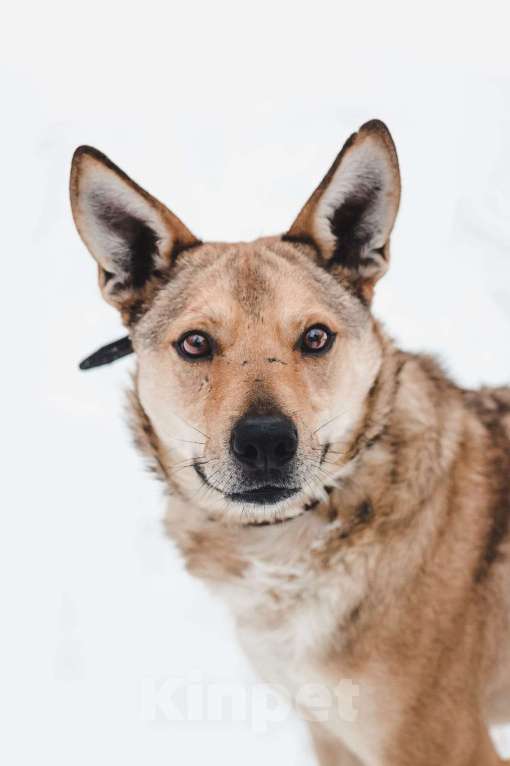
(294, 606)
(293, 624)
(289, 614)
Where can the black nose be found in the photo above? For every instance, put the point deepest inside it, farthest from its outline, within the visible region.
(264, 441)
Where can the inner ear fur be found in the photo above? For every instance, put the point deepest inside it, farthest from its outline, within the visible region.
(133, 237)
(350, 215)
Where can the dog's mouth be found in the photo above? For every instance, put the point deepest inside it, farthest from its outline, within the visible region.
(267, 495)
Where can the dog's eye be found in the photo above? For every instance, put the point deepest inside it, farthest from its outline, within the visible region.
(317, 339)
(194, 345)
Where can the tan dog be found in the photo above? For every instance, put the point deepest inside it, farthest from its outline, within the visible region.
(348, 500)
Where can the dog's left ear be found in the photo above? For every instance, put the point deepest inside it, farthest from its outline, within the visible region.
(349, 217)
(133, 237)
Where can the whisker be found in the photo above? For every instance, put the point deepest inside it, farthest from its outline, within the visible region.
(190, 465)
(330, 420)
(329, 451)
(206, 436)
(207, 487)
(318, 493)
(330, 462)
(186, 441)
(188, 459)
(311, 492)
(326, 473)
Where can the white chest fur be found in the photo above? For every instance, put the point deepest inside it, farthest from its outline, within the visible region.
(290, 619)
(291, 601)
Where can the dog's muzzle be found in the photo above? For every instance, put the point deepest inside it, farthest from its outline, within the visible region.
(264, 448)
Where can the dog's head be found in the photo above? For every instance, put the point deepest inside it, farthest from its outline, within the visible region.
(255, 360)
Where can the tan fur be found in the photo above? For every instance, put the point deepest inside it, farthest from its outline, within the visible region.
(390, 567)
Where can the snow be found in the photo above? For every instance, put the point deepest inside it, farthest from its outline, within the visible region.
(230, 114)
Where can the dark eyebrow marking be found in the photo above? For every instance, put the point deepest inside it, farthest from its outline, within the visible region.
(273, 360)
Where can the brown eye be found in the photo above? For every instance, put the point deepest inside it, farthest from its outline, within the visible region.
(317, 339)
(194, 345)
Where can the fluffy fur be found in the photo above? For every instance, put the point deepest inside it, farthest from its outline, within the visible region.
(390, 566)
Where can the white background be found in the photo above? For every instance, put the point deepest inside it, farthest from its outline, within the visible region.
(230, 113)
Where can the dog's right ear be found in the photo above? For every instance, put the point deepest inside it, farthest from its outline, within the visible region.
(133, 237)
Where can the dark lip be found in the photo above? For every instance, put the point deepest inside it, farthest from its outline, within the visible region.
(267, 495)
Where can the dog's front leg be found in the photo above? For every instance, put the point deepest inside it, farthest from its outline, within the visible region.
(329, 750)
(459, 743)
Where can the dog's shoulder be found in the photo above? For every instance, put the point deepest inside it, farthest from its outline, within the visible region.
(492, 407)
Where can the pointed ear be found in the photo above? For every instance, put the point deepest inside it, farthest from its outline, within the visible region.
(350, 215)
(133, 237)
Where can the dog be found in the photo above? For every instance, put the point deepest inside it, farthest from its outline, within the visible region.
(349, 501)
